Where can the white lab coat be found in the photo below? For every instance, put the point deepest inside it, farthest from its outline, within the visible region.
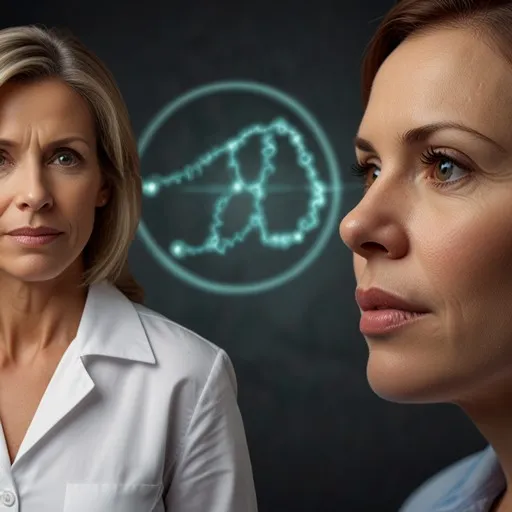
(140, 416)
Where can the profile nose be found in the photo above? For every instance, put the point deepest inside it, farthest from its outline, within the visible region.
(375, 226)
(33, 190)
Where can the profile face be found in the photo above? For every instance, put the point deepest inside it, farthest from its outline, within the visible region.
(50, 178)
(435, 224)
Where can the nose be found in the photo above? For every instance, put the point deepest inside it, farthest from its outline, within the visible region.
(376, 225)
(34, 192)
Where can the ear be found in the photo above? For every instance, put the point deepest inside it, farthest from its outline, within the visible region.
(103, 196)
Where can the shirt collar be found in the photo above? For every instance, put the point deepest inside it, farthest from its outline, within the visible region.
(481, 484)
(110, 326)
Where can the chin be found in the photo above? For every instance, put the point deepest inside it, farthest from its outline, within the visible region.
(402, 379)
(37, 275)
(36, 269)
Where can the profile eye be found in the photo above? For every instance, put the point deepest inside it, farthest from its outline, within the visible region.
(445, 169)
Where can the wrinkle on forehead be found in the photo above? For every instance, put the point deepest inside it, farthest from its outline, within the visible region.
(443, 75)
(48, 107)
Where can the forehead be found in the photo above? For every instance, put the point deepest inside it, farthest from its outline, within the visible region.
(49, 105)
(442, 75)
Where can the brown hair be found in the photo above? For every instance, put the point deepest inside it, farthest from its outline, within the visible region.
(35, 53)
(491, 19)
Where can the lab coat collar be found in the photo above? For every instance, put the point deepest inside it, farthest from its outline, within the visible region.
(111, 326)
(483, 481)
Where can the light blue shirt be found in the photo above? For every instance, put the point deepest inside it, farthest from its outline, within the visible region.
(470, 485)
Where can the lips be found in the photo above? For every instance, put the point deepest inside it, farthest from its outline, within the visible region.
(39, 231)
(377, 299)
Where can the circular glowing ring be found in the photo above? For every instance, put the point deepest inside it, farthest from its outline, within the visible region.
(336, 188)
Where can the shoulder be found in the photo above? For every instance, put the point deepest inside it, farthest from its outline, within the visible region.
(445, 486)
(165, 333)
(182, 352)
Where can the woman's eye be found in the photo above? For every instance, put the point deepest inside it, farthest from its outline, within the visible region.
(445, 169)
(66, 159)
(372, 174)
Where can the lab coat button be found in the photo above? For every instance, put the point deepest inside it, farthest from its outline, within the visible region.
(7, 498)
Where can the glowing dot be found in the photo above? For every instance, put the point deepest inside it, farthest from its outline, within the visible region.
(150, 188)
(177, 249)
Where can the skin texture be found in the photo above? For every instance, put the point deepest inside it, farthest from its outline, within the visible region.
(448, 248)
(43, 182)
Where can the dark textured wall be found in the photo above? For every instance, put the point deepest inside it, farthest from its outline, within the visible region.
(319, 439)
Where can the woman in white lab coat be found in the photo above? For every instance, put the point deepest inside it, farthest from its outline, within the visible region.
(105, 405)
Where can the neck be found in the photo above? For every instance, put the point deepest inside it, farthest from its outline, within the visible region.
(36, 316)
(491, 412)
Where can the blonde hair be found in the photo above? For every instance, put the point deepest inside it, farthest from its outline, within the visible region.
(34, 53)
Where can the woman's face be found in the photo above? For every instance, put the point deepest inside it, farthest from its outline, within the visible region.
(49, 177)
(435, 225)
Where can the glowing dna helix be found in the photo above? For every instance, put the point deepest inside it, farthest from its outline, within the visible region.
(258, 189)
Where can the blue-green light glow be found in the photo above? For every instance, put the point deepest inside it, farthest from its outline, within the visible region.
(258, 190)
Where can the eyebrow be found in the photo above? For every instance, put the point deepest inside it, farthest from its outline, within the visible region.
(54, 144)
(422, 133)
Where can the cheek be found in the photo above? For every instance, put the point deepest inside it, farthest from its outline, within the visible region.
(4, 204)
(78, 203)
(467, 268)
(471, 256)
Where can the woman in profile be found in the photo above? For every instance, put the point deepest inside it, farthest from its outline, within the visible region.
(432, 234)
(105, 405)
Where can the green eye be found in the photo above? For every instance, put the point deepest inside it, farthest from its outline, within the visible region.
(67, 159)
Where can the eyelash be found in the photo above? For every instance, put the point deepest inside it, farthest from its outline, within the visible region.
(429, 157)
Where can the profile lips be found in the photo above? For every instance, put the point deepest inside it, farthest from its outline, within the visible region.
(375, 299)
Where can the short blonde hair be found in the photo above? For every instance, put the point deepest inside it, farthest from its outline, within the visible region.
(34, 53)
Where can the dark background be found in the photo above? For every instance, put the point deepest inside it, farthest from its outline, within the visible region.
(320, 440)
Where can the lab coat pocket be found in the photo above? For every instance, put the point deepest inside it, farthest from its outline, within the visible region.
(86, 497)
